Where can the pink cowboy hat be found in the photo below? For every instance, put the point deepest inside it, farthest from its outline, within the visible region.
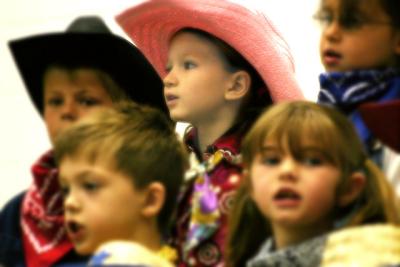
(152, 24)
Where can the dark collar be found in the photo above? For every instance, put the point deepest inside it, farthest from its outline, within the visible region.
(229, 141)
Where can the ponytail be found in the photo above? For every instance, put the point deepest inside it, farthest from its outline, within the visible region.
(247, 229)
(379, 201)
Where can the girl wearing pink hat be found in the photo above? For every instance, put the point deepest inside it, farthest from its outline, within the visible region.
(222, 64)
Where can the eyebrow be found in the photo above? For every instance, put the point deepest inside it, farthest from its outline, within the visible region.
(187, 53)
(83, 91)
(179, 56)
(81, 176)
(51, 89)
(84, 175)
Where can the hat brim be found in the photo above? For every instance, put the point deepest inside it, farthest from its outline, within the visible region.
(116, 56)
(152, 24)
(383, 121)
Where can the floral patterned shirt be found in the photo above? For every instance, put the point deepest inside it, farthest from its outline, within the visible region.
(204, 203)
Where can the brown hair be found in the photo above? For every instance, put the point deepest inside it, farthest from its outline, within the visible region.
(291, 123)
(136, 140)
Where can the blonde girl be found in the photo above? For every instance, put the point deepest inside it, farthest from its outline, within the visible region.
(306, 174)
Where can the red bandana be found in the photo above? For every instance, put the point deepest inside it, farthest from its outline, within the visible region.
(42, 220)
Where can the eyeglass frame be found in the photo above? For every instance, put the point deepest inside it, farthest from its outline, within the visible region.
(354, 25)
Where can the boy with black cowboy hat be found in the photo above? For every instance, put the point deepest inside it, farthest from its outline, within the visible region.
(68, 75)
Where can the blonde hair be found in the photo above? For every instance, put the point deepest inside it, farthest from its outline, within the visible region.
(136, 140)
(293, 123)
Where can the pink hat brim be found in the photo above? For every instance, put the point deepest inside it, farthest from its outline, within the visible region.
(152, 24)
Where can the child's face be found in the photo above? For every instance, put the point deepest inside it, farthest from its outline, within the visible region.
(294, 193)
(196, 80)
(367, 40)
(68, 96)
(100, 204)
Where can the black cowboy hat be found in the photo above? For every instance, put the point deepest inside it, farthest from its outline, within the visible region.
(88, 42)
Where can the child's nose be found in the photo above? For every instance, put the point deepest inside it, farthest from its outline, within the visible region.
(69, 111)
(332, 31)
(288, 169)
(71, 203)
(170, 80)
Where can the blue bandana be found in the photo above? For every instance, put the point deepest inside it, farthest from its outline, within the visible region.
(348, 90)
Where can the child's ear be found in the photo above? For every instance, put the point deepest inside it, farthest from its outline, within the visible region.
(154, 199)
(357, 184)
(239, 85)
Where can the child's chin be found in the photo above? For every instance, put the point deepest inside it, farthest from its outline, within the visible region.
(177, 118)
(331, 69)
(287, 221)
(84, 250)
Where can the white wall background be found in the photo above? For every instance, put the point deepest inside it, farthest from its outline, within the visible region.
(22, 133)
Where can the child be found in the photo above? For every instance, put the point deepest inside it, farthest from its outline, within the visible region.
(305, 174)
(222, 65)
(120, 173)
(360, 50)
(67, 75)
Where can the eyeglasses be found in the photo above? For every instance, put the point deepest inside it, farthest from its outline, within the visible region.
(350, 22)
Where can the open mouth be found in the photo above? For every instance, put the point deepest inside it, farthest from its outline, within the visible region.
(332, 57)
(331, 53)
(74, 230)
(286, 194)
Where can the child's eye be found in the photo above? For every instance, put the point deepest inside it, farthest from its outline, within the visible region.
(351, 22)
(54, 101)
(189, 65)
(312, 161)
(348, 22)
(324, 18)
(270, 160)
(88, 101)
(90, 186)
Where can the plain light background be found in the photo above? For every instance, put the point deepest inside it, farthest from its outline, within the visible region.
(23, 137)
